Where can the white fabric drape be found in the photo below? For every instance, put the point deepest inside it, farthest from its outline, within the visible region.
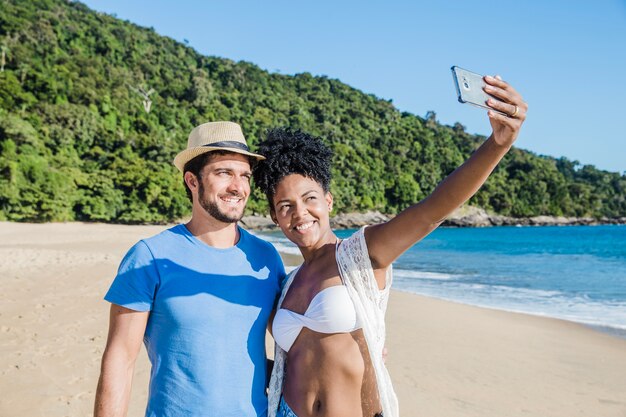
(370, 304)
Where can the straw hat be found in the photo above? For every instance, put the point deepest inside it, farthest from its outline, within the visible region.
(214, 136)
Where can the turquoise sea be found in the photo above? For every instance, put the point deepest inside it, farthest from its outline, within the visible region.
(575, 273)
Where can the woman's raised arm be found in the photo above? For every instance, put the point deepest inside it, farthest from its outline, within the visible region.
(387, 241)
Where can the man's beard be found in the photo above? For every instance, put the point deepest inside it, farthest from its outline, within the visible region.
(214, 211)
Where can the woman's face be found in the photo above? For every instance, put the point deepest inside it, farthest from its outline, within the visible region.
(301, 208)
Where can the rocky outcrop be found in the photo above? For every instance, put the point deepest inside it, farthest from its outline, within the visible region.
(465, 216)
(468, 216)
(356, 220)
(341, 221)
(258, 223)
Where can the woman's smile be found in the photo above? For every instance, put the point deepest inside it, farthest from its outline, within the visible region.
(304, 226)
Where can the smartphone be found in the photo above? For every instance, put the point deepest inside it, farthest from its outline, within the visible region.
(469, 88)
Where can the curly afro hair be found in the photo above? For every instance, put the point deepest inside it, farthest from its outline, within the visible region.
(289, 152)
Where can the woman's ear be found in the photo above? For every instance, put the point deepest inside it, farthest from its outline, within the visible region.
(273, 216)
(329, 201)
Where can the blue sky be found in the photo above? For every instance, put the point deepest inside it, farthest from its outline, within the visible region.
(567, 58)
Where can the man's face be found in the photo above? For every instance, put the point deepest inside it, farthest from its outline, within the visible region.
(224, 186)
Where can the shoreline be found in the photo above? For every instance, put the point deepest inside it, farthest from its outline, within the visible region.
(466, 216)
(292, 260)
(603, 329)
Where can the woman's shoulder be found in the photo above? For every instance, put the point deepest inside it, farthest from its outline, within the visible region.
(355, 244)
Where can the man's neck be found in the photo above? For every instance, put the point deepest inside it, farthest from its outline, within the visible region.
(212, 231)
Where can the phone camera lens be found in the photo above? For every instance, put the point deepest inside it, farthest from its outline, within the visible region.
(466, 85)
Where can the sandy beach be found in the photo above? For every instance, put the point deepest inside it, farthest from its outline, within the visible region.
(445, 359)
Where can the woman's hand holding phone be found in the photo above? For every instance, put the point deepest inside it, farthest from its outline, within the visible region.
(507, 111)
(506, 108)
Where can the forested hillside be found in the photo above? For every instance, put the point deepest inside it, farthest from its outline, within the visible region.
(93, 110)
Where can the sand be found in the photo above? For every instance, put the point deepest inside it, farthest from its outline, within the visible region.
(445, 359)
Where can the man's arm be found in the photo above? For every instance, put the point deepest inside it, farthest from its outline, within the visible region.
(126, 331)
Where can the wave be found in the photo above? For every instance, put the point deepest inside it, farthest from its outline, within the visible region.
(546, 303)
(281, 243)
(413, 274)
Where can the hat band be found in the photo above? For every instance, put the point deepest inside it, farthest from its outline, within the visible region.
(228, 144)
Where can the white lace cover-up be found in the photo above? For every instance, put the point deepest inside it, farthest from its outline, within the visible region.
(370, 305)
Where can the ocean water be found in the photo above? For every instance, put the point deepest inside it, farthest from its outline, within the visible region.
(575, 273)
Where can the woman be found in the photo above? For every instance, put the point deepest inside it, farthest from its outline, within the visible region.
(329, 326)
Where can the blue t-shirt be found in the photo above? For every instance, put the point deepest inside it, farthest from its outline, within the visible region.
(209, 308)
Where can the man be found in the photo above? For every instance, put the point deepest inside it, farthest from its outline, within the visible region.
(199, 295)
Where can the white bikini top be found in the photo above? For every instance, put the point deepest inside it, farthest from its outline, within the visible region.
(330, 311)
